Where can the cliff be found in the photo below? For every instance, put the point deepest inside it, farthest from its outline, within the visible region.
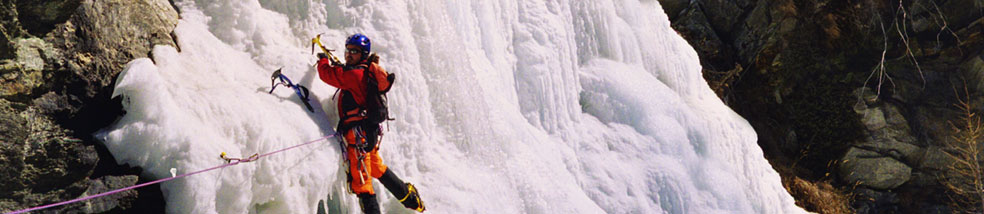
(58, 62)
(859, 94)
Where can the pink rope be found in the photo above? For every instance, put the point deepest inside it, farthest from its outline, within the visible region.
(162, 180)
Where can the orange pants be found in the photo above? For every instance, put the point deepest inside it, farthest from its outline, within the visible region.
(361, 174)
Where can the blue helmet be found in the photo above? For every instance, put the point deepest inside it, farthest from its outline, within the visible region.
(359, 40)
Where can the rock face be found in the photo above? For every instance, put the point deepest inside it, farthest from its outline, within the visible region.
(860, 92)
(58, 61)
(874, 170)
(106, 184)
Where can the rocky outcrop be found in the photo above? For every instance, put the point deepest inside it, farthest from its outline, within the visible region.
(58, 61)
(794, 69)
(873, 170)
(39, 17)
(110, 202)
(879, 162)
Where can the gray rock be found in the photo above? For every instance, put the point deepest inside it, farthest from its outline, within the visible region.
(879, 162)
(24, 73)
(924, 179)
(29, 53)
(40, 16)
(724, 12)
(873, 201)
(44, 172)
(937, 209)
(694, 24)
(960, 13)
(13, 124)
(905, 152)
(122, 200)
(895, 118)
(888, 131)
(673, 7)
(757, 34)
(55, 82)
(935, 159)
(104, 35)
(792, 50)
(867, 95)
(973, 68)
(10, 29)
(873, 170)
(873, 119)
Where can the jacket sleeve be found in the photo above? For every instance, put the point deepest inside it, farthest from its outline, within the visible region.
(331, 74)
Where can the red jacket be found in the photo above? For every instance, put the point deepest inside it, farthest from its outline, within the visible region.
(348, 79)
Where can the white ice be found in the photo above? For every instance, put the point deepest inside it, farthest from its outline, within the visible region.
(501, 106)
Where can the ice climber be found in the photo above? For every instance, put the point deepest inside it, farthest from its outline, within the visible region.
(361, 108)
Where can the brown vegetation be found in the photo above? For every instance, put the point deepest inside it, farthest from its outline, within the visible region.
(720, 82)
(964, 178)
(819, 196)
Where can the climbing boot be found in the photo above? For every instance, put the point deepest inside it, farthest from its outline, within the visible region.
(368, 203)
(393, 184)
(406, 192)
(412, 199)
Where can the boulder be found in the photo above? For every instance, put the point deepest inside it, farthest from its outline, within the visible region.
(873, 119)
(873, 170)
(887, 130)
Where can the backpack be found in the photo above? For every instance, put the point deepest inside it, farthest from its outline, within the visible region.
(378, 82)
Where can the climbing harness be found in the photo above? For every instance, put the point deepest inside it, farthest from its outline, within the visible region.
(360, 153)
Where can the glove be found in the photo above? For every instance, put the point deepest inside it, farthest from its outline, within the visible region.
(334, 61)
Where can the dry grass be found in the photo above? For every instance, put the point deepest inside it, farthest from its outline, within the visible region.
(720, 82)
(815, 196)
(820, 197)
(788, 8)
(830, 27)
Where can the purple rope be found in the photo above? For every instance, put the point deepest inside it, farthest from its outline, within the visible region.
(161, 180)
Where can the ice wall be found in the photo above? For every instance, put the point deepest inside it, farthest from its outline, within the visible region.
(500, 106)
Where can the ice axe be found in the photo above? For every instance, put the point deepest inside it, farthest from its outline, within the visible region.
(300, 90)
(317, 41)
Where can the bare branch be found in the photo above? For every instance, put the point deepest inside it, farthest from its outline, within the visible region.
(945, 26)
(964, 179)
(904, 36)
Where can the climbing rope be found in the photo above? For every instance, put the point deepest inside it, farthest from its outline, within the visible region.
(229, 162)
